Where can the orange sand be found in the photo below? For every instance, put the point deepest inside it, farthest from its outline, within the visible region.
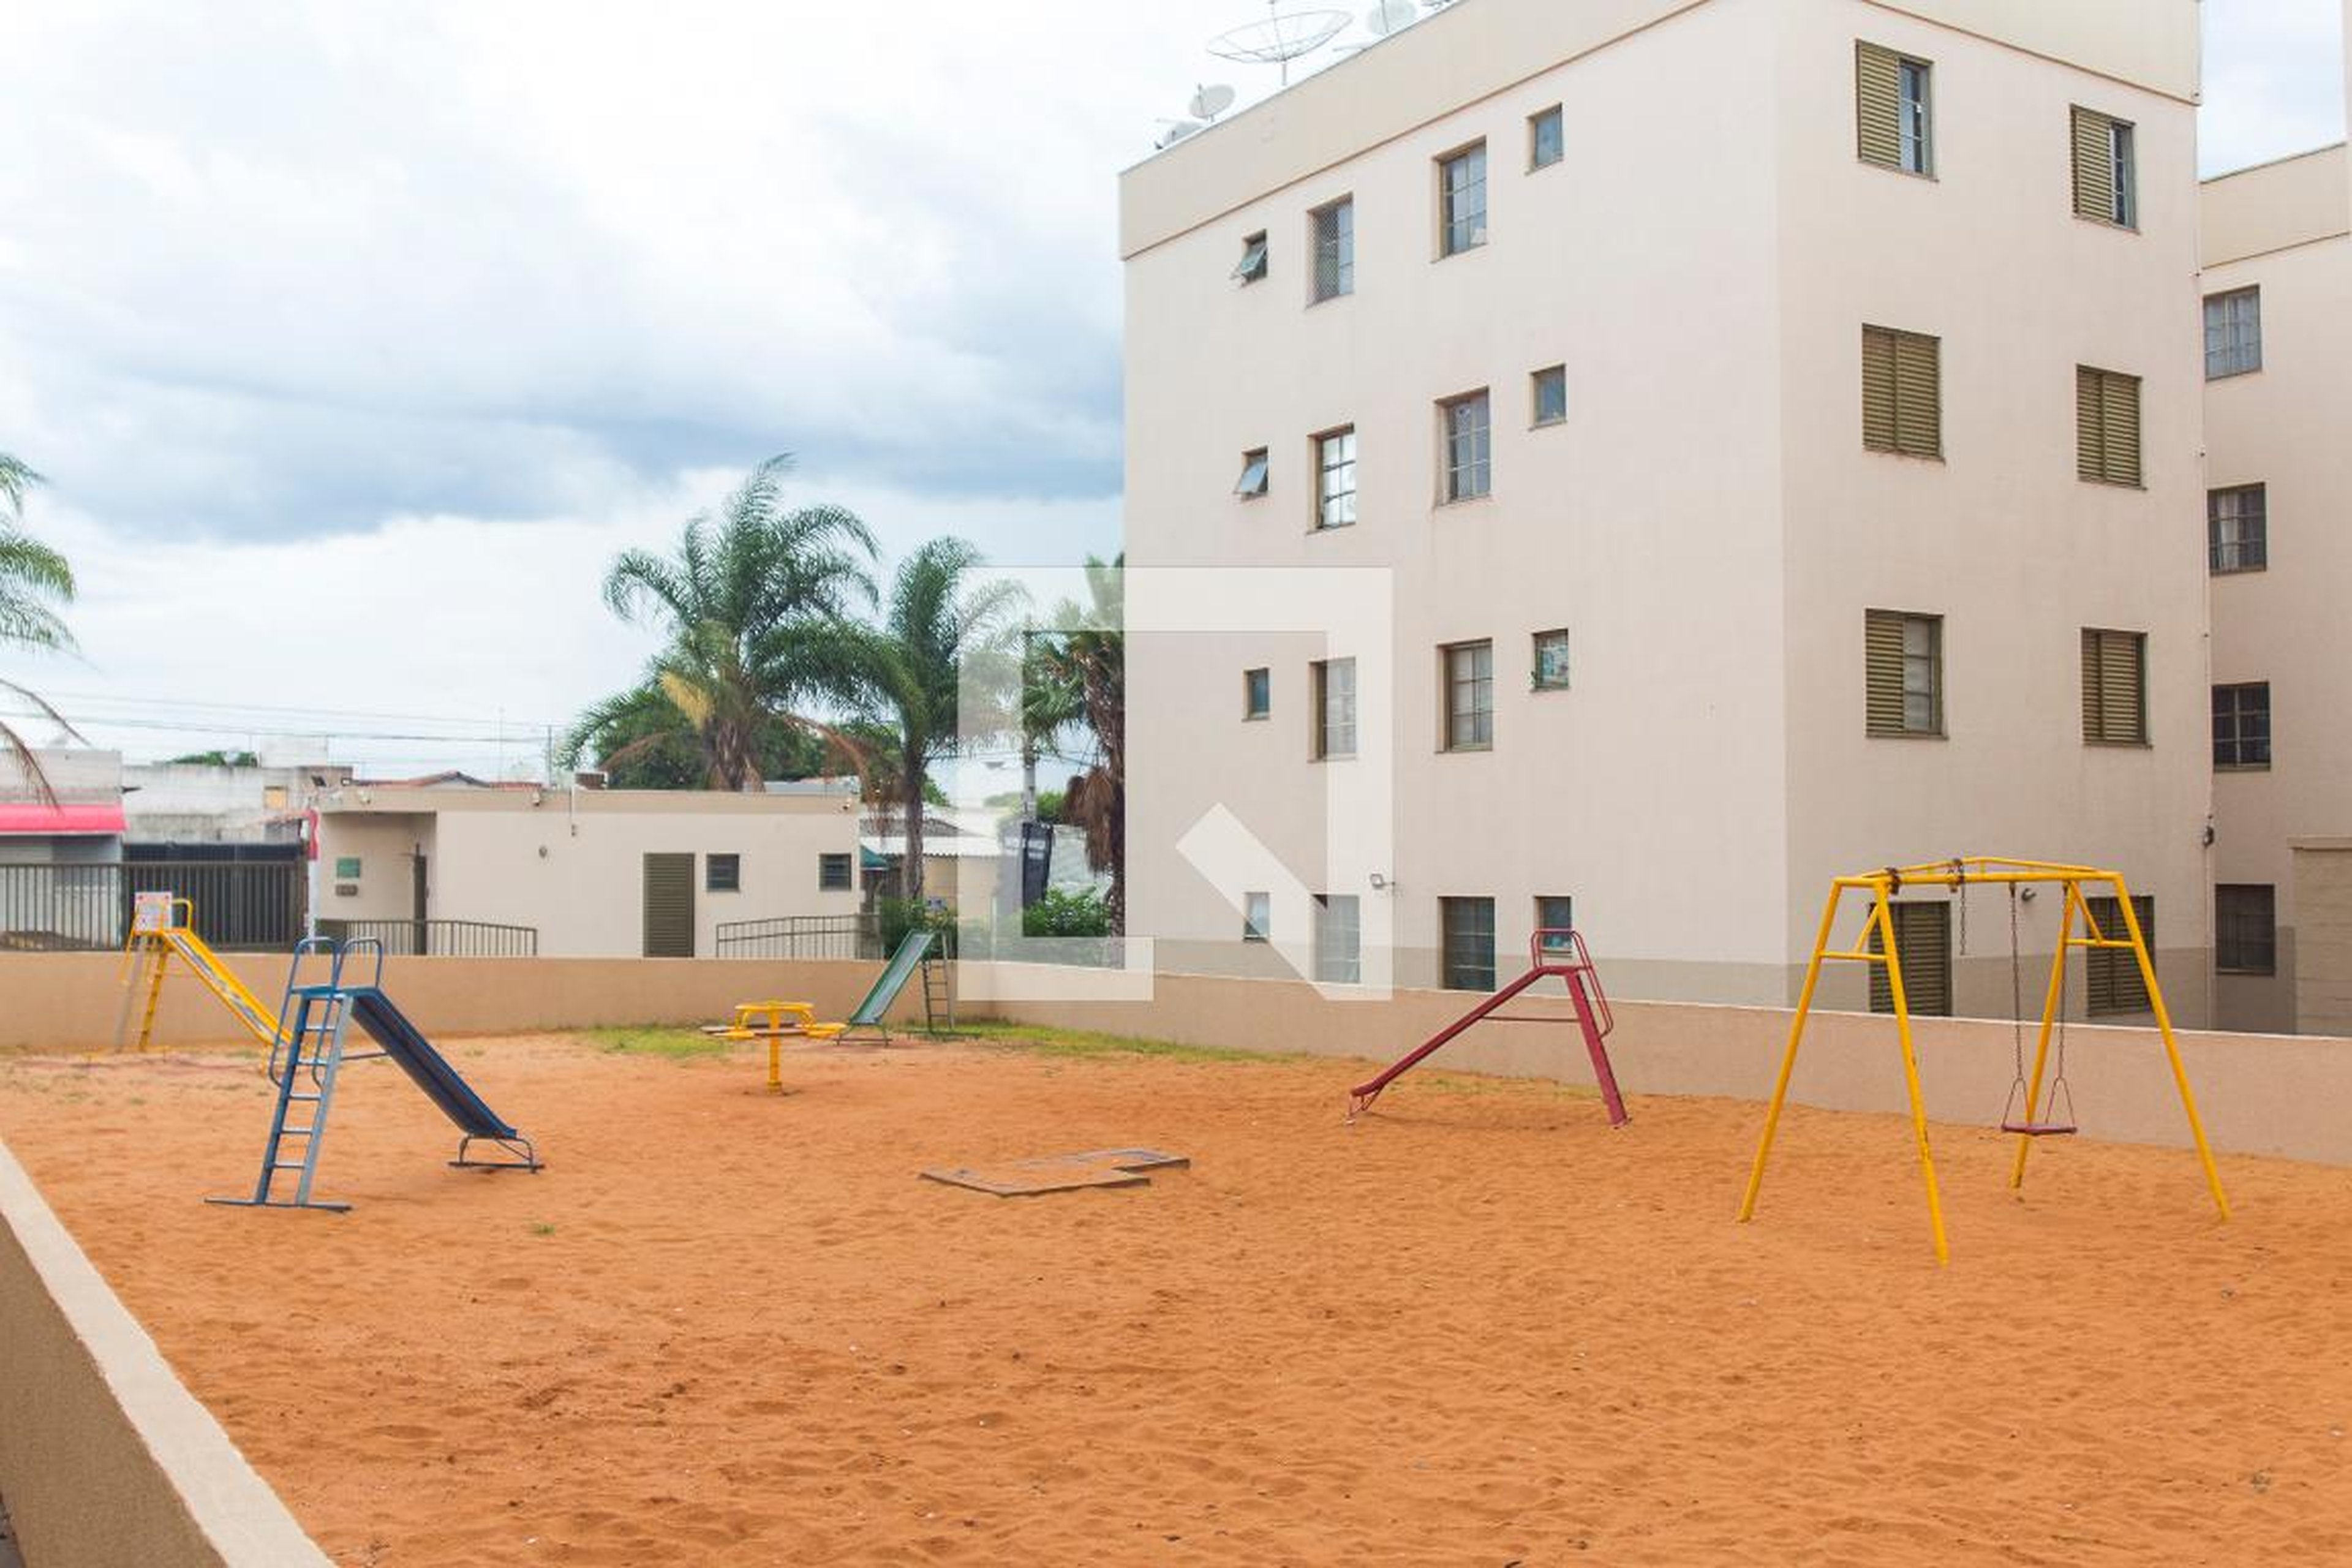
(1481, 1328)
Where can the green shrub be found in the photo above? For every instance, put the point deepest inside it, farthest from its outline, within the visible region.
(1063, 913)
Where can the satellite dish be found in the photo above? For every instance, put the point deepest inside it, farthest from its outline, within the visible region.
(1211, 101)
(1177, 131)
(1281, 38)
(1389, 16)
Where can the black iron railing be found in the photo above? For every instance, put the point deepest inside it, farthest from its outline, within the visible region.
(439, 939)
(253, 906)
(803, 936)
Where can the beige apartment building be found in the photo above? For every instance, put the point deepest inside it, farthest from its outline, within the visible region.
(1770, 433)
(2278, 402)
(596, 873)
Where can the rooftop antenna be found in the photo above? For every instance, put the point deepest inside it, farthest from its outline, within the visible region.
(1281, 38)
(1208, 102)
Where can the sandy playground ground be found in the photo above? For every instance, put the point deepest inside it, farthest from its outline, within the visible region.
(1480, 1328)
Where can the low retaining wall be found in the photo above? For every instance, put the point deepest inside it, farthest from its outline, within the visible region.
(73, 1001)
(2259, 1094)
(106, 1460)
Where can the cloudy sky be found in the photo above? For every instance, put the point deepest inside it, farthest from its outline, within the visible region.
(355, 336)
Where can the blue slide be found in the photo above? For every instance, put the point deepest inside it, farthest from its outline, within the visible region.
(431, 1071)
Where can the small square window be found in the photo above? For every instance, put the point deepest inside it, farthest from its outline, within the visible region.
(833, 874)
(722, 873)
(1252, 263)
(1550, 671)
(1550, 391)
(1253, 482)
(1257, 917)
(1257, 693)
(1555, 919)
(1547, 139)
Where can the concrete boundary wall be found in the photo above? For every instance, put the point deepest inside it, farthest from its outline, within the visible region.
(73, 1001)
(106, 1460)
(2259, 1094)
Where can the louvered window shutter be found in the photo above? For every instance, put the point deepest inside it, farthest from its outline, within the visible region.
(1923, 943)
(2119, 428)
(1883, 658)
(2115, 687)
(2111, 976)
(1902, 392)
(2089, 427)
(2094, 165)
(1878, 105)
(1878, 418)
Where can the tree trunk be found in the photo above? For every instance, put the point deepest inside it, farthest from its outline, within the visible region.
(910, 806)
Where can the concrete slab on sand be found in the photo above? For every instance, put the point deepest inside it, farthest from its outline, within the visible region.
(1059, 1172)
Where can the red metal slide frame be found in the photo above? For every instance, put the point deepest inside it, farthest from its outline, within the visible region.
(1551, 952)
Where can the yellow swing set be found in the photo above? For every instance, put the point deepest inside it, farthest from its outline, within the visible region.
(1878, 946)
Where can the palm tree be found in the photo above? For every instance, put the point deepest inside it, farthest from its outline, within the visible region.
(749, 601)
(1083, 669)
(32, 577)
(943, 637)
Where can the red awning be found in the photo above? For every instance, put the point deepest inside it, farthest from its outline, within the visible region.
(17, 818)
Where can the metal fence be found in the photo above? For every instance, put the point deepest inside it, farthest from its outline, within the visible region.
(439, 939)
(249, 905)
(803, 936)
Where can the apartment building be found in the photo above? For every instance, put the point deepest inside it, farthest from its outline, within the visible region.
(2278, 402)
(1774, 432)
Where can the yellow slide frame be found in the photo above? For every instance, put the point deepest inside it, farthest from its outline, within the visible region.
(1967, 871)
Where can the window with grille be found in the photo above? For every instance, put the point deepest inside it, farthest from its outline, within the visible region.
(2233, 333)
(1335, 250)
(1335, 709)
(1255, 465)
(1335, 478)
(1902, 392)
(1893, 114)
(1469, 696)
(1469, 426)
(2238, 528)
(2106, 427)
(1462, 201)
(2241, 725)
(2106, 173)
(1339, 938)
(1923, 949)
(1257, 916)
(1550, 670)
(833, 874)
(1466, 934)
(1251, 267)
(1903, 657)
(2115, 688)
(2111, 976)
(2245, 928)
(722, 873)
(1257, 693)
(1547, 139)
(1549, 393)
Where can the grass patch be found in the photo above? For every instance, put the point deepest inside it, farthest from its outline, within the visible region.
(542, 1229)
(677, 1044)
(1090, 1045)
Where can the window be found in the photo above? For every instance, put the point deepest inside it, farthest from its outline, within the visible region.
(2245, 928)
(1547, 139)
(1335, 709)
(2106, 427)
(2111, 976)
(1252, 484)
(1257, 916)
(722, 873)
(1257, 693)
(1555, 918)
(1339, 940)
(1335, 478)
(1469, 696)
(1551, 672)
(1903, 657)
(1902, 392)
(2233, 333)
(2105, 175)
(2241, 725)
(1469, 446)
(1335, 250)
(1252, 263)
(2115, 688)
(1893, 114)
(833, 874)
(2238, 528)
(1466, 935)
(1462, 201)
(1923, 947)
(1550, 394)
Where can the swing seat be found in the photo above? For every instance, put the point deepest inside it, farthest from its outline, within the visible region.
(2040, 1129)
